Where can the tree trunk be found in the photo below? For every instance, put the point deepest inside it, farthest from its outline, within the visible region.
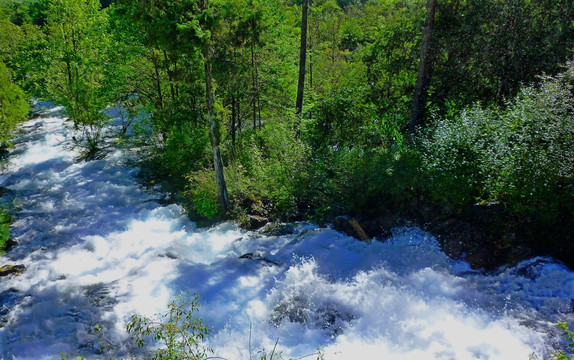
(157, 79)
(233, 122)
(302, 58)
(214, 136)
(253, 88)
(425, 70)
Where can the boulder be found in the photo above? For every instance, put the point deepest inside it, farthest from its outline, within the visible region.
(10, 244)
(259, 257)
(11, 269)
(255, 222)
(351, 227)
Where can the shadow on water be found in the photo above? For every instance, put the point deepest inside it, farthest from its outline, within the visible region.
(58, 202)
(68, 325)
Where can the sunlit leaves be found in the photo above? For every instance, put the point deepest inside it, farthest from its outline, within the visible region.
(13, 105)
(179, 331)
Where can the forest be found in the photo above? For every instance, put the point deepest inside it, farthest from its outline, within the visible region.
(457, 114)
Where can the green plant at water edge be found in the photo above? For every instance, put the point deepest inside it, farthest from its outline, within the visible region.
(5, 221)
(263, 355)
(569, 336)
(13, 105)
(66, 357)
(202, 193)
(178, 331)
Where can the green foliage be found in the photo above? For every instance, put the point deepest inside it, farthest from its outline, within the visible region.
(14, 105)
(186, 148)
(520, 155)
(178, 331)
(202, 193)
(569, 337)
(67, 357)
(265, 355)
(76, 45)
(487, 51)
(392, 58)
(359, 180)
(265, 170)
(5, 221)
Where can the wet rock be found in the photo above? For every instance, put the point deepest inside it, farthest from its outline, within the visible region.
(485, 213)
(364, 228)
(301, 309)
(279, 229)
(258, 257)
(341, 224)
(11, 270)
(332, 319)
(294, 309)
(10, 244)
(255, 222)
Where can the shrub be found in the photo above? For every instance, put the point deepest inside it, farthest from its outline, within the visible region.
(14, 106)
(569, 336)
(202, 193)
(5, 221)
(178, 331)
(521, 155)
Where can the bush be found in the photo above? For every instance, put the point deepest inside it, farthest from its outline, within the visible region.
(202, 193)
(521, 155)
(5, 221)
(14, 106)
(265, 168)
(178, 331)
(186, 149)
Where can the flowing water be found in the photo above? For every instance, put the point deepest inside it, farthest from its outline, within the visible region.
(98, 247)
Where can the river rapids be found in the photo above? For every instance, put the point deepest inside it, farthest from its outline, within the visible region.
(98, 247)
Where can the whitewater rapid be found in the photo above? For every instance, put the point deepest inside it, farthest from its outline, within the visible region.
(99, 247)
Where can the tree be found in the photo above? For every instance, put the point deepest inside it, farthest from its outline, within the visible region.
(487, 50)
(425, 69)
(178, 41)
(77, 44)
(302, 59)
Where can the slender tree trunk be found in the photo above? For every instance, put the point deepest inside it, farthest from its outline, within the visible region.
(239, 125)
(425, 70)
(253, 88)
(257, 93)
(233, 117)
(169, 75)
(302, 58)
(157, 79)
(311, 70)
(214, 136)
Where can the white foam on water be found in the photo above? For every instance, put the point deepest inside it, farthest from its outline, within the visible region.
(98, 249)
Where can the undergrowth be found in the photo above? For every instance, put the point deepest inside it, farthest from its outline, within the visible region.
(5, 221)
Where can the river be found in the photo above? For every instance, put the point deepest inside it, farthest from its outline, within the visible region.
(99, 246)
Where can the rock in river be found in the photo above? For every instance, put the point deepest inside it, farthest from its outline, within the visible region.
(11, 269)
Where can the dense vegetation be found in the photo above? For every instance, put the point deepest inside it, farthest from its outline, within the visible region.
(5, 221)
(212, 85)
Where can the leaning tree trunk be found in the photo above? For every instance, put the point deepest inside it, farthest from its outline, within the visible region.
(214, 136)
(425, 70)
(302, 58)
